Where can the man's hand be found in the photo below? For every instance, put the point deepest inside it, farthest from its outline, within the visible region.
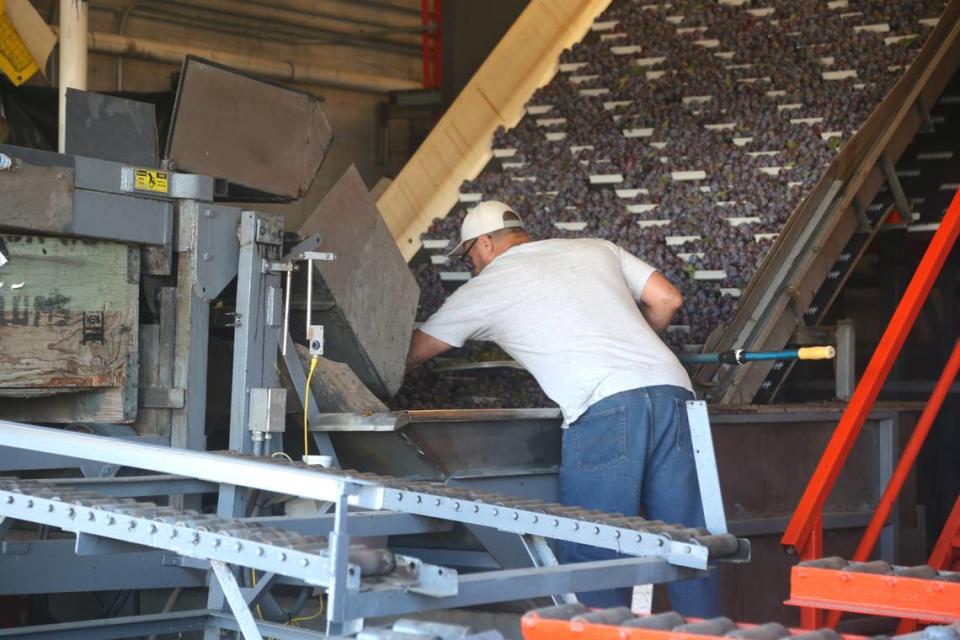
(660, 301)
(423, 347)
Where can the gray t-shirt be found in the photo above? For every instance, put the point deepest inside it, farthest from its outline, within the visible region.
(567, 311)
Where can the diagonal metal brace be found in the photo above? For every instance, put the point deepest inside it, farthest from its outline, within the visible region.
(231, 591)
(254, 594)
(899, 196)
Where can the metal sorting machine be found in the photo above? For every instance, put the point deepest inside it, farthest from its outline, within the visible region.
(144, 408)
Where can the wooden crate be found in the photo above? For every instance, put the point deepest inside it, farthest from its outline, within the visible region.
(68, 330)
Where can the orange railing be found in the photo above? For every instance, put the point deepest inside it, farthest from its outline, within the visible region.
(804, 534)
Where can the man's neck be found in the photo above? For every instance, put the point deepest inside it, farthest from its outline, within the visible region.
(509, 243)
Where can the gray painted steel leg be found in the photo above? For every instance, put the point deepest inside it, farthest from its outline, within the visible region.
(231, 590)
(706, 461)
(254, 355)
(887, 440)
(190, 363)
(337, 623)
(543, 556)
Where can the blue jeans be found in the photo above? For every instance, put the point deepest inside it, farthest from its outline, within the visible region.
(629, 449)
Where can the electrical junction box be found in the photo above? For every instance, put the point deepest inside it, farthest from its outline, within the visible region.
(315, 339)
(268, 409)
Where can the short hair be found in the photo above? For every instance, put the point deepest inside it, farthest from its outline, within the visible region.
(509, 231)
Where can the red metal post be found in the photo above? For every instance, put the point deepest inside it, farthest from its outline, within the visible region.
(944, 552)
(437, 44)
(425, 41)
(835, 456)
(943, 555)
(810, 617)
(905, 464)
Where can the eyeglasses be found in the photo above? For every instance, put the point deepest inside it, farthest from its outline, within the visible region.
(467, 249)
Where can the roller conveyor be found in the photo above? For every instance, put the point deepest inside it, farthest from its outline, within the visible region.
(208, 537)
(359, 582)
(576, 621)
(680, 545)
(877, 588)
(677, 544)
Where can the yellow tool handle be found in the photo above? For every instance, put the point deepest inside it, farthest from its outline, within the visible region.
(816, 353)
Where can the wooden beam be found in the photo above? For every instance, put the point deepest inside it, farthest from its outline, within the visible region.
(459, 146)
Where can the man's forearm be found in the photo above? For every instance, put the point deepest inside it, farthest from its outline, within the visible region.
(422, 348)
(414, 360)
(659, 317)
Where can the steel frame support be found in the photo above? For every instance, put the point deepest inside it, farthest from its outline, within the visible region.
(899, 475)
(888, 444)
(372, 494)
(338, 623)
(706, 462)
(29, 567)
(201, 465)
(239, 607)
(254, 355)
(126, 627)
(23, 460)
(542, 556)
(810, 508)
(190, 360)
(154, 624)
(517, 584)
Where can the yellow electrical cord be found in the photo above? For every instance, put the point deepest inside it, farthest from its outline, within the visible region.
(306, 449)
(306, 403)
(253, 574)
(296, 621)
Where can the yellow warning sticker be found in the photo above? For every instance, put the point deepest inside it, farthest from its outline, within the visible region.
(150, 180)
(15, 61)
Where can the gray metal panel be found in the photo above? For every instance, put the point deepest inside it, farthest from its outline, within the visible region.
(131, 626)
(112, 128)
(375, 294)
(122, 218)
(252, 132)
(35, 563)
(216, 248)
(20, 459)
(517, 584)
(116, 177)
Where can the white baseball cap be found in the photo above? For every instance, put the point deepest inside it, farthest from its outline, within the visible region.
(485, 218)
